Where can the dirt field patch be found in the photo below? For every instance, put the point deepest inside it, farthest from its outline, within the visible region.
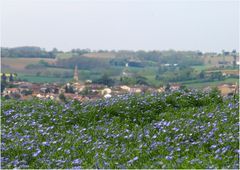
(21, 63)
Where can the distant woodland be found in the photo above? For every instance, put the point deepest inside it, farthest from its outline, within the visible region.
(27, 52)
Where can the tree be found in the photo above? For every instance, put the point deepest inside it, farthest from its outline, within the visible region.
(167, 88)
(127, 81)
(62, 97)
(202, 75)
(141, 80)
(54, 50)
(38, 74)
(11, 77)
(69, 89)
(217, 76)
(106, 80)
(234, 54)
(4, 77)
(3, 85)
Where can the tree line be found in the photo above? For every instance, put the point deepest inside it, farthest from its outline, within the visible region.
(27, 52)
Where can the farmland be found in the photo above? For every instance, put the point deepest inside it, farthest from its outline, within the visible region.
(184, 129)
(19, 64)
(200, 85)
(153, 68)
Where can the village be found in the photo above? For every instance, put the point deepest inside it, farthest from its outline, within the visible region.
(88, 91)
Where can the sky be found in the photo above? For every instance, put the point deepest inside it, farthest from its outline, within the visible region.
(206, 25)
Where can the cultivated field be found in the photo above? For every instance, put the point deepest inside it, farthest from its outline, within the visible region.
(107, 55)
(213, 60)
(21, 63)
(178, 130)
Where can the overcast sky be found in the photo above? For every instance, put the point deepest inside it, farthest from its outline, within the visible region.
(207, 25)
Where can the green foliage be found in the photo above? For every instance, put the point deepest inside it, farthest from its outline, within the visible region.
(26, 52)
(80, 51)
(182, 130)
(40, 65)
(69, 89)
(137, 79)
(216, 76)
(106, 80)
(3, 85)
(62, 97)
(118, 61)
(127, 81)
(175, 74)
(83, 63)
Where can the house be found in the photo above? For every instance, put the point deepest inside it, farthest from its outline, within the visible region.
(97, 86)
(125, 88)
(167, 65)
(36, 88)
(77, 87)
(8, 91)
(107, 96)
(44, 90)
(53, 89)
(51, 96)
(38, 96)
(230, 72)
(207, 89)
(161, 90)
(73, 96)
(228, 89)
(88, 82)
(175, 87)
(25, 85)
(135, 90)
(106, 91)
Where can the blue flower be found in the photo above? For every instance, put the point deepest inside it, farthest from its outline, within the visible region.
(169, 157)
(77, 161)
(37, 153)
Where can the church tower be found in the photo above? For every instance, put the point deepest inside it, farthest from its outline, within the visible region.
(75, 77)
(125, 70)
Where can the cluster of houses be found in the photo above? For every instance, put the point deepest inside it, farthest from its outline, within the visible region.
(88, 91)
(79, 91)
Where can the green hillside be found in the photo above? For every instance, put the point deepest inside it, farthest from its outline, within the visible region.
(183, 130)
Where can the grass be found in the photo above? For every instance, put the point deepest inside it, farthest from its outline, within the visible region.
(211, 84)
(177, 130)
(201, 68)
(103, 55)
(65, 55)
(42, 79)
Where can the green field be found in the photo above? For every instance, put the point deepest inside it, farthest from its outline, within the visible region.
(64, 55)
(201, 68)
(182, 130)
(195, 84)
(42, 79)
(52, 74)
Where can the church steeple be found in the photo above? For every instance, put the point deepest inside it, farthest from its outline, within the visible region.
(75, 77)
(125, 70)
